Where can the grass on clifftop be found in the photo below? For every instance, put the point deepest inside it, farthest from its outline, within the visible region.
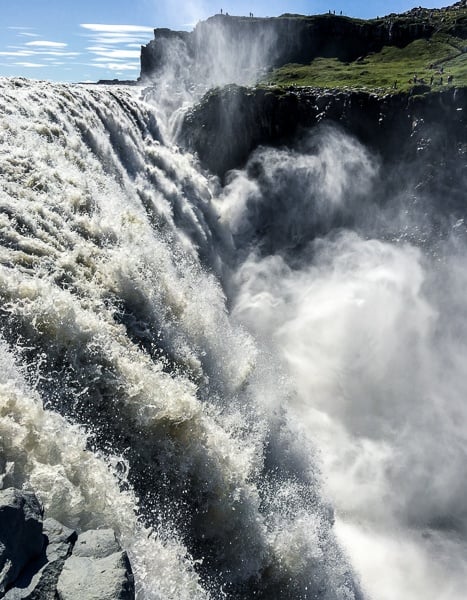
(378, 72)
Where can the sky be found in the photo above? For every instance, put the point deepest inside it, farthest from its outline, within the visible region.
(88, 40)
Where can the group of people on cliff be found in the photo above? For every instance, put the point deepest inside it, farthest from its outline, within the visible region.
(227, 14)
(440, 71)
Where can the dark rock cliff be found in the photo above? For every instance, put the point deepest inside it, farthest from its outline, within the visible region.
(424, 128)
(154, 55)
(229, 123)
(295, 38)
(419, 140)
(416, 144)
(285, 39)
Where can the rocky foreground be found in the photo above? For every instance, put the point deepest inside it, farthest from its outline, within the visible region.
(42, 559)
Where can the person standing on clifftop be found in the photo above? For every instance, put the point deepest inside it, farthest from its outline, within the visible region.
(221, 10)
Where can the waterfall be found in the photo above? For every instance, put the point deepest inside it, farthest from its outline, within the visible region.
(133, 399)
(259, 386)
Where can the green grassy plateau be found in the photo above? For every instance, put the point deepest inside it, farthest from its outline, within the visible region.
(392, 69)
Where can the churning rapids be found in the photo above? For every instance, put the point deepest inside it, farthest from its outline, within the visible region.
(260, 386)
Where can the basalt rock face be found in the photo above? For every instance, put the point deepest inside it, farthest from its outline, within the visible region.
(277, 41)
(421, 132)
(415, 148)
(43, 559)
(262, 43)
(229, 123)
(155, 54)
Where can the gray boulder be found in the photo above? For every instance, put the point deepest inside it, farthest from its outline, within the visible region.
(38, 581)
(44, 560)
(96, 543)
(21, 538)
(97, 570)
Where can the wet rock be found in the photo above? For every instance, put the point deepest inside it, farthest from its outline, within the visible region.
(229, 123)
(98, 543)
(97, 570)
(21, 538)
(44, 560)
(38, 581)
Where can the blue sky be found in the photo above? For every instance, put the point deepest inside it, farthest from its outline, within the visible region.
(86, 40)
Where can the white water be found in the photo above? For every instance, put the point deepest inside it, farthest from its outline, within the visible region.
(214, 433)
(372, 333)
(115, 323)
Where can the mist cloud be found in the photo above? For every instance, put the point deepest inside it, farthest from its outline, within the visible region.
(372, 333)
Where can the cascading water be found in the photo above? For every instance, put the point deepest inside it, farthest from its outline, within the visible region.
(113, 317)
(210, 371)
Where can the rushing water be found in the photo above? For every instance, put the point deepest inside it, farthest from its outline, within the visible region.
(259, 387)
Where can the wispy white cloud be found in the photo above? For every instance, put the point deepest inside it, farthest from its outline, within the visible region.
(113, 53)
(29, 64)
(55, 53)
(103, 59)
(113, 38)
(47, 44)
(104, 34)
(17, 53)
(23, 52)
(115, 66)
(60, 54)
(111, 45)
(101, 27)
